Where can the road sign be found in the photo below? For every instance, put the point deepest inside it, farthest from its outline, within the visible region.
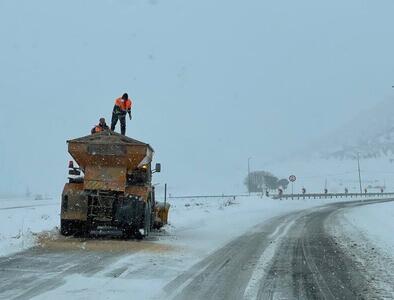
(292, 178)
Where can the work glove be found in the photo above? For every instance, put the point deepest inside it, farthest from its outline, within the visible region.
(130, 115)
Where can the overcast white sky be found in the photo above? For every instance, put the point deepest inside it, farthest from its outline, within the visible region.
(214, 82)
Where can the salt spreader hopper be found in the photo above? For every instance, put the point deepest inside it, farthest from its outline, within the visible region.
(111, 189)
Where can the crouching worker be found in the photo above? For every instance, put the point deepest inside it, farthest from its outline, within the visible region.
(102, 126)
(122, 107)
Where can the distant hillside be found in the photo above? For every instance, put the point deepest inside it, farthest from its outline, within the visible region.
(371, 134)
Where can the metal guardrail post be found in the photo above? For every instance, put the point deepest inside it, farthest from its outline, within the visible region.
(333, 195)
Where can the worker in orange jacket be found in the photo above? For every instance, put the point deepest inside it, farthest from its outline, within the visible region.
(102, 126)
(122, 107)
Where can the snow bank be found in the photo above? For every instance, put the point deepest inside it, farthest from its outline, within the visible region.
(376, 222)
(366, 233)
(21, 219)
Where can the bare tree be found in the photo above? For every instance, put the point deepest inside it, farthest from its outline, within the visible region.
(283, 183)
(258, 181)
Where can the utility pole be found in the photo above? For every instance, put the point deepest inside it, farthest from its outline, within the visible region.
(249, 158)
(359, 172)
(165, 194)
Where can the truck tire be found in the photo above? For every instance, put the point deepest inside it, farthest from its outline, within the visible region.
(152, 221)
(138, 235)
(147, 219)
(71, 227)
(66, 227)
(130, 232)
(145, 224)
(81, 229)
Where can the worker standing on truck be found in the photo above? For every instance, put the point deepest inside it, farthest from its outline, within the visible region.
(102, 126)
(122, 107)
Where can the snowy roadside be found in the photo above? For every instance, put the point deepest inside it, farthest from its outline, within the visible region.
(21, 219)
(366, 233)
(376, 222)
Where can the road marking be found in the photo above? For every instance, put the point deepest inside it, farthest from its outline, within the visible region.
(262, 267)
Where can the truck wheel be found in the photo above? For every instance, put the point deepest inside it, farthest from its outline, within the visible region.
(147, 219)
(66, 227)
(129, 232)
(81, 229)
(138, 235)
(71, 227)
(152, 221)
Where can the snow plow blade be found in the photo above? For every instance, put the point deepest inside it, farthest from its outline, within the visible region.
(162, 210)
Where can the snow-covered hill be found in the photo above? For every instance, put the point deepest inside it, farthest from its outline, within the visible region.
(371, 134)
(331, 161)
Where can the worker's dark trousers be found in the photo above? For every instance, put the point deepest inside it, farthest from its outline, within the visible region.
(122, 119)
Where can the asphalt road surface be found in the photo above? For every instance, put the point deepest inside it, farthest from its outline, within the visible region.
(290, 257)
(35, 271)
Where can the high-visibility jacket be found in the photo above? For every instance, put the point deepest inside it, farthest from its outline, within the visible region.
(98, 128)
(122, 107)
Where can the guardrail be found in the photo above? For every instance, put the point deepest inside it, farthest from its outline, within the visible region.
(331, 195)
(290, 196)
(207, 196)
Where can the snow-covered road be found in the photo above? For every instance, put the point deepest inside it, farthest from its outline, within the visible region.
(291, 257)
(217, 248)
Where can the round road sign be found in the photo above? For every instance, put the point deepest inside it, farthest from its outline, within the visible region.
(292, 178)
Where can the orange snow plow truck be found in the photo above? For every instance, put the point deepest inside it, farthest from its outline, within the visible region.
(111, 188)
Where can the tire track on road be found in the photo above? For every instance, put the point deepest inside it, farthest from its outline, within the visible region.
(311, 265)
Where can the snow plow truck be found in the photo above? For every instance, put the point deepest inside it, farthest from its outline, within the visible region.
(110, 189)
